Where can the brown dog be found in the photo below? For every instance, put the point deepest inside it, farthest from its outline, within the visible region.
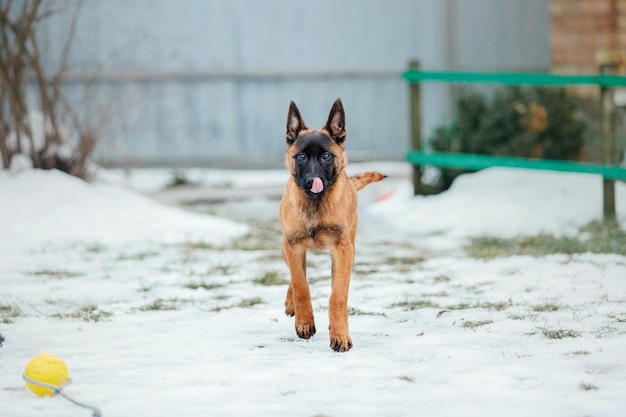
(318, 211)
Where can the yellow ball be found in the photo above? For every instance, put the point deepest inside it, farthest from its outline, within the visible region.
(47, 368)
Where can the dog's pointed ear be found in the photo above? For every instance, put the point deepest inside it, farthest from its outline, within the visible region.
(336, 124)
(295, 124)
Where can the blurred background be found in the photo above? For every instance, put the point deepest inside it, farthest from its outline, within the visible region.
(208, 82)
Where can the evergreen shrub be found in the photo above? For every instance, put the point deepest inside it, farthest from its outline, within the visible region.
(528, 122)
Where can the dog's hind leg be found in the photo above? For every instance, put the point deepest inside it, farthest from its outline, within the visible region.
(295, 256)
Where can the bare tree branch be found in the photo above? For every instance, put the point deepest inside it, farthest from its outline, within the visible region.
(68, 43)
(20, 57)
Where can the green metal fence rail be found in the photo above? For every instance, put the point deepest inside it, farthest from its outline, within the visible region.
(476, 161)
(608, 168)
(515, 78)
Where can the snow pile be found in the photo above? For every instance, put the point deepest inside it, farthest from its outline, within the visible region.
(501, 202)
(50, 207)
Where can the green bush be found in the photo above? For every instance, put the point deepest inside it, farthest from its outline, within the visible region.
(513, 121)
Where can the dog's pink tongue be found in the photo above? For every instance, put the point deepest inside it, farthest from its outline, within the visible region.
(317, 186)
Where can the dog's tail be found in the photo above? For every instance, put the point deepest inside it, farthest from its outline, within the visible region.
(365, 178)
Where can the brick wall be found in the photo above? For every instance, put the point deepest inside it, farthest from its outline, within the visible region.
(587, 33)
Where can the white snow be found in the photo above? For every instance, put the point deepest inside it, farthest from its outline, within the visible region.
(69, 247)
(506, 203)
(50, 207)
(502, 202)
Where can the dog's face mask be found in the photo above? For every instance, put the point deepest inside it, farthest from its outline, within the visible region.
(314, 163)
(315, 157)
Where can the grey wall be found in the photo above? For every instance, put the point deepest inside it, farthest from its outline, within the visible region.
(209, 81)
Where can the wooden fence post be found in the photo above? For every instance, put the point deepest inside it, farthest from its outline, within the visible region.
(416, 137)
(607, 128)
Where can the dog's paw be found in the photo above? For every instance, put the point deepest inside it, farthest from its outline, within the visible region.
(305, 330)
(340, 342)
(290, 309)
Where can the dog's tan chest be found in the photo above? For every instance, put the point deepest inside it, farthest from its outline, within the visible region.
(317, 237)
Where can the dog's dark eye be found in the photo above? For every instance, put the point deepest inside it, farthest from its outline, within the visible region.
(301, 157)
(327, 157)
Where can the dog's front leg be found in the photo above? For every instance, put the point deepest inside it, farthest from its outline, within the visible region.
(295, 256)
(342, 258)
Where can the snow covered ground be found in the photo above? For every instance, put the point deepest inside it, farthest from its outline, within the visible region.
(163, 311)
